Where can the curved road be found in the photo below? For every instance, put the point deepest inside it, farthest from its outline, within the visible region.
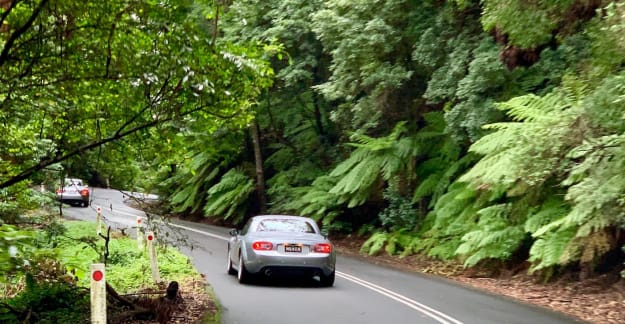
(363, 292)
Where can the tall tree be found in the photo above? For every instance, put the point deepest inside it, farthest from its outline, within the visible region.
(76, 75)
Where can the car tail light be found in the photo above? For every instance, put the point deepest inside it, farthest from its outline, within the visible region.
(59, 191)
(263, 246)
(323, 248)
(84, 192)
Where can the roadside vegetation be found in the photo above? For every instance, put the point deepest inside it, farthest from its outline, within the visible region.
(50, 280)
(482, 132)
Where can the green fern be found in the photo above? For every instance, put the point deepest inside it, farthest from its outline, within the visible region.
(200, 170)
(493, 238)
(454, 215)
(551, 210)
(549, 248)
(373, 160)
(228, 198)
(316, 200)
(530, 149)
(375, 243)
(392, 243)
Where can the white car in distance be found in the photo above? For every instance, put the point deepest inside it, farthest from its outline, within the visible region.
(74, 192)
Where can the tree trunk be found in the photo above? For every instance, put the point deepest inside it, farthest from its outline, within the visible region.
(260, 174)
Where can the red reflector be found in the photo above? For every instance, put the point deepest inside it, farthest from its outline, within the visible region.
(323, 248)
(265, 246)
(98, 275)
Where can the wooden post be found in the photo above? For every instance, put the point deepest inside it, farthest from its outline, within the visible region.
(98, 294)
(153, 260)
(140, 233)
(98, 220)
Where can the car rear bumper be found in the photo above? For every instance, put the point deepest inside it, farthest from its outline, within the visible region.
(311, 263)
(72, 198)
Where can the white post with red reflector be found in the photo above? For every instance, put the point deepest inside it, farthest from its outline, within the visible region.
(140, 233)
(98, 220)
(152, 252)
(98, 294)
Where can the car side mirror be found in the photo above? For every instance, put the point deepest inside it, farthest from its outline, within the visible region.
(234, 232)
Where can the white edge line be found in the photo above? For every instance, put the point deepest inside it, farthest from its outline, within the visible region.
(401, 298)
(200, 232)
(407, 302)
(426, 310)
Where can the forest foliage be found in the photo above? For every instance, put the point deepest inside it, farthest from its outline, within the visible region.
(489, 132)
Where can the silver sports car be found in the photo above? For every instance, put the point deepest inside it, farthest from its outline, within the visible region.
(274, 245)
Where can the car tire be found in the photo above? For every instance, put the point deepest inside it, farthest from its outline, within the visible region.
(85, 204)
(242, 274)
(327, 281)
(229, 269)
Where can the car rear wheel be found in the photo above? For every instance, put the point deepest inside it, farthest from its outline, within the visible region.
(242, 274)
(229, 269)
(85, 204)
(327, 281)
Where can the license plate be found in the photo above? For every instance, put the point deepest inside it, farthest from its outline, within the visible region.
(293, 248)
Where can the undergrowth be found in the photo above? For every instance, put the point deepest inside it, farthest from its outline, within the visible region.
(55, 288)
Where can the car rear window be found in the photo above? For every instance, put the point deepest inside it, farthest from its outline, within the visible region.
(72, 182)
(285, 225)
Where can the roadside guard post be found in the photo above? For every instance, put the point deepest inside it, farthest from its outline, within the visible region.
(139, 233)
(98, 294)
(98, 220)
(152, 252)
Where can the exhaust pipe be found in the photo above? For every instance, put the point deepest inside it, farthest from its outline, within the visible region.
(268, 272)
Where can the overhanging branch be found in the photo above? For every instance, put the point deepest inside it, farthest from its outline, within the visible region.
(119, 134)
(4, 55)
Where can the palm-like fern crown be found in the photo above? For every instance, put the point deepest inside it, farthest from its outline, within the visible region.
(528, 149)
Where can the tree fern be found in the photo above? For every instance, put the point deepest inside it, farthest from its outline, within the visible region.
(493, 238)
(228, 198)
(454, 215)
(597, 185)
(530, 149)
(189, 183)
(316, 200)
(438, 174)
(374, 159)
(547, 250)
(551, 210)
(440, 159)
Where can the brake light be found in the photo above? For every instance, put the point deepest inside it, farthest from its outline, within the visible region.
(84, 192)
(262, 246)
(59, 191)
(323, 248)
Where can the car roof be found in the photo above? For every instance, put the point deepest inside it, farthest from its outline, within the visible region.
(260, 217)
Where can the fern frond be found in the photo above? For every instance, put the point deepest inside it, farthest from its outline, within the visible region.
(228, 198)
(375, 243)
(532, 108)
(524, 154)
(548, 249)
(315, 200)
(381, 143)
(493, 238)
(551, 210)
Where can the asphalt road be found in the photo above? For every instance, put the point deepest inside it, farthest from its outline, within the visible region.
(363, 292)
